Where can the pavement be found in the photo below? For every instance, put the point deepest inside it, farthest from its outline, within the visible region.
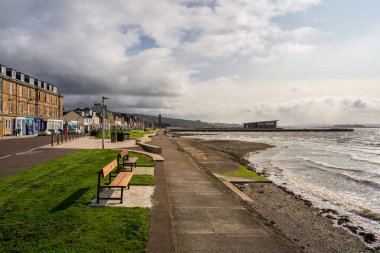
(193, 213)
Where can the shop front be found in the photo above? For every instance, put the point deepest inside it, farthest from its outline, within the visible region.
(39, 125)
(29, 127)
(55, 124)
(19, 126)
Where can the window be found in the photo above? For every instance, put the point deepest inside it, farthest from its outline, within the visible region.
(29, 93)
(10, 107)
(28, 109)
(8, 124)
(50, 112)
(45, 97)
(1, 105)
(10, 88)
(44, 110)
(20, 108)
(20, 91)
(1, 85)
(39, 95)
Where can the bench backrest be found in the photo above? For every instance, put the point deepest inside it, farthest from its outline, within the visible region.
(124, 153)
(109, 168)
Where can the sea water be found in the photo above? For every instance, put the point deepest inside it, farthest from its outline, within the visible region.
(334, 170)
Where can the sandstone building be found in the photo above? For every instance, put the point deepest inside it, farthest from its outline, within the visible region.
(27, 105)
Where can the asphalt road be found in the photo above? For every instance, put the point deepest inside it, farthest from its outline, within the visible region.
(22, 153)
(19, 145)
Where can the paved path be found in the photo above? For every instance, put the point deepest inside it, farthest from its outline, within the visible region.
(194, 214)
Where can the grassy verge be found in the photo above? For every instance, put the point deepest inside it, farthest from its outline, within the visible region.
(45, 209)
(246, 173)
(134, 134)
(143, 180)
(143, 160)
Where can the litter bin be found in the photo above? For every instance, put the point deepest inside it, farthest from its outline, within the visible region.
(127, 137)
(120, 136)
(113, 137)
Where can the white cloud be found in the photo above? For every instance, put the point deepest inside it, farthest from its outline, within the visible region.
(207, 59)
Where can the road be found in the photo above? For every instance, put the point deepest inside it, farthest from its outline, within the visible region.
(22, 153)
(18, 145)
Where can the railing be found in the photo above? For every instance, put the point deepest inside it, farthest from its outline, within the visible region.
(60, 138)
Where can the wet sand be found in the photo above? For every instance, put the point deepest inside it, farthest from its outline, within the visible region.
(310, 228)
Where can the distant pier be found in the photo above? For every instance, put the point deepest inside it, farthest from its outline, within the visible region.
(262, 130)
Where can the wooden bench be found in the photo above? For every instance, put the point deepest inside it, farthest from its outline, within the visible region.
(124, 160)
(121, 180)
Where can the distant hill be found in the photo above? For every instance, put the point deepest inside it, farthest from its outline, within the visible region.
(356, 126)
(184, 123)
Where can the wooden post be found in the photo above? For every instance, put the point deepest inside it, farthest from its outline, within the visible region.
(56, 136)
(52, 140)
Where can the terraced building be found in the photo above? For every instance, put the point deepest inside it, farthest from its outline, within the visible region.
(27, 105)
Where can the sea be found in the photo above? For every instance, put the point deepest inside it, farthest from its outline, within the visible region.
(333, 170)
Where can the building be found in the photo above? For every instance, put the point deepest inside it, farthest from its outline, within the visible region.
(261, 125)
(27, 105)
(73, 120)
(109, 118)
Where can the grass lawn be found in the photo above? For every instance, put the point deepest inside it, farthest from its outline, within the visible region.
(45, 209)
(142, 180)
(143, 161)
(244, 172)
(134, 134)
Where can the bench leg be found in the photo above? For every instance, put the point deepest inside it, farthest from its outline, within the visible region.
(121, 199)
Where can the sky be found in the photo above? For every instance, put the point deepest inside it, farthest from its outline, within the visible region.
(231, 61)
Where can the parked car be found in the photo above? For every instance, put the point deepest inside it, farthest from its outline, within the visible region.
(45, 132)
(74, 131)
(57, 132)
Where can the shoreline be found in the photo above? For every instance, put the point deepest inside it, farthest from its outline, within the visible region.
(307, 226)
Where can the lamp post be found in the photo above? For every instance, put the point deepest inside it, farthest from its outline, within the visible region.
(103, 119)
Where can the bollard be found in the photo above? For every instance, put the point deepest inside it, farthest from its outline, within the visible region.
(56, 136)
(52, 140)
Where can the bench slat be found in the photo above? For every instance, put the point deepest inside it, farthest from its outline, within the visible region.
(131, 160)
(122, 179)
(109, 168)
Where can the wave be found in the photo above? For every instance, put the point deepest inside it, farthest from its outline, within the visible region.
(362, 181)
(326, 165)
(360, 159)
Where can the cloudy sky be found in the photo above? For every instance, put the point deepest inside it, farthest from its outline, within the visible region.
(298, 61)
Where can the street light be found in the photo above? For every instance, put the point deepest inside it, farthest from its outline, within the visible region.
(103, 119)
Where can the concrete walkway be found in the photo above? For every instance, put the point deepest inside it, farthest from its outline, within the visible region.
(194, 214)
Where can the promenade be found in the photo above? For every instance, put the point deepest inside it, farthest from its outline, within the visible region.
(192, 211)
(194, 214)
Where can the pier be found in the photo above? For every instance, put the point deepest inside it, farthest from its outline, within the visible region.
(262, 130)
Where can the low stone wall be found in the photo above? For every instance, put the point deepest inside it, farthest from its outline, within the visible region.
(150, 148)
